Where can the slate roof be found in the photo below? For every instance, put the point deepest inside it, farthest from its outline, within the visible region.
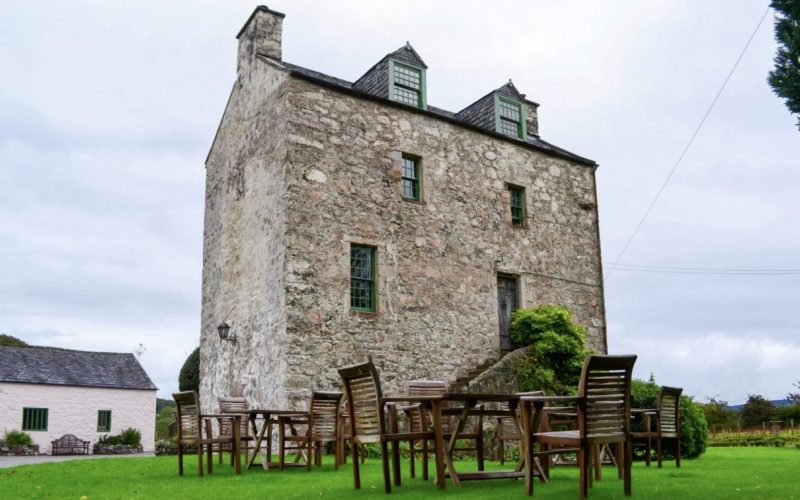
(365, 87)
(53, 366)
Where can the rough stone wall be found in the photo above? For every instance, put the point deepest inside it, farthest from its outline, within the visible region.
(73, 410)
(438, 259)
(244, 244)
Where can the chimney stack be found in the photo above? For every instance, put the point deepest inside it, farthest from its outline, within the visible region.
(260, 36)
(532, 118)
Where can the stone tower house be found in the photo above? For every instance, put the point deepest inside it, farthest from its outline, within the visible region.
(353, 219)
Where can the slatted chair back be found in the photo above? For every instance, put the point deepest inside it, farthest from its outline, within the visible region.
(669, 411)
(187, 417)
(605, 389)
(324, 415)
(234, 406)
(419, 419)
(363, 389)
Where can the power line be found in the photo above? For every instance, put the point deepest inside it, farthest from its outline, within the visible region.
(689, 144)
(703, 270)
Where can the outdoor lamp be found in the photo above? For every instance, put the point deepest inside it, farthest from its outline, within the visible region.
(224, 332)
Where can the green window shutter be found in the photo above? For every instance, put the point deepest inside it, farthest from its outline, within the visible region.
(104, 421)
(407, 84)
(411, 178)
(34, 419)
(517, 205)
(363, 283)
(509, 117)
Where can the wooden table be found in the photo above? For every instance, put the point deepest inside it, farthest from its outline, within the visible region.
(267, 419)
(462, 405)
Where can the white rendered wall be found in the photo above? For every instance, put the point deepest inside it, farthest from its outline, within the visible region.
(73, 410)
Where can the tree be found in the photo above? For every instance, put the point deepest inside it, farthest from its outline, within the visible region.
(785, 78)
(12, 341)
(756, 411)
(189, 377)
(794, 397)
(719, 415)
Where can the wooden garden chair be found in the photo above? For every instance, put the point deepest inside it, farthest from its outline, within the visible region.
(234, 406)
(366, 407)
(667, 417)
(345, 436)
(603, 415)
(190, 428)
(321, 426)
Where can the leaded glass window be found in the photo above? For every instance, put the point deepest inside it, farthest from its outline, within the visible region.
(517, 205)
(34, 419)
(410, 178)
(104, 421)
(362, 278)
(509, 118)
(407, 85)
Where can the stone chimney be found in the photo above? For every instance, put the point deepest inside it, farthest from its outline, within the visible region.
(532, 118)
(260, 36)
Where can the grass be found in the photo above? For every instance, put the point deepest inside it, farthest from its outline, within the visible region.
(719, 473)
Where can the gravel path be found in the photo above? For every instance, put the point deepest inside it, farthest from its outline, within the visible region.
(14, 461)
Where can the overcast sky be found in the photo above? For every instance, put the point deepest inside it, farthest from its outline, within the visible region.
(107, 111)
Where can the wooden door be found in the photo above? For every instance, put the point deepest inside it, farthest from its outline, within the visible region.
(506, 304)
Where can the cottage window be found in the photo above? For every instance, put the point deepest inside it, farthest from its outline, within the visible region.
(34, 419)
(103, 420)
(406, 84)
(517, 205)
(509, 118)
(411, 177)
(362, 278)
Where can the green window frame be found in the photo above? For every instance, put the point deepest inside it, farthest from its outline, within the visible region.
(509, 117)
(103, 420)
(34, 419)
(411, 177)
(363, 278)
(407, 84)
(517, 204)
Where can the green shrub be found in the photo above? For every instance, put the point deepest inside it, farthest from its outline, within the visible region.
(17, 438)
(556, 352)
(788, 413)
(694, 429)
(131, 437)
(189, 376)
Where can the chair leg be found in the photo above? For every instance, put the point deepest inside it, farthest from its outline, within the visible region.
(210, 457)
(411, 471)
(309, 450)
(356, 471)
(396, 462)
(387, 482)
(649, 450)
(180, 459)
(501, 451)
(583, 472)
(200, 459)
(596, 462)
(628, 466)
(479, 449)
(337, 452)
(620, 459)
(363, 453)
(281, 445)
(659, 450)
(425, 459)
(678, 450)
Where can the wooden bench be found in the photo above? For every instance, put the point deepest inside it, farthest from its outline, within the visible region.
(68, 444)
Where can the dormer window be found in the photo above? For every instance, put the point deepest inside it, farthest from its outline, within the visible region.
(509, 117)
(406, 84)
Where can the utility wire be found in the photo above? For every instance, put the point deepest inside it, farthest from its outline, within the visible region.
(703, 270)
(688, 144)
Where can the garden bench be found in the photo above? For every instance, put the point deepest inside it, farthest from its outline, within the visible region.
(68, 444)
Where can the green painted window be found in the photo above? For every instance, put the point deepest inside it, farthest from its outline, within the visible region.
(509, 117)
(362, 278)
(104, 421)
(34, 419)
(406, 84)
(517, 205)
(411, 177)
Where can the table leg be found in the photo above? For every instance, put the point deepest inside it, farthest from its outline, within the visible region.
(438, 442)
(448, 453)
(259, 438)
(268, 426)
(237, 441)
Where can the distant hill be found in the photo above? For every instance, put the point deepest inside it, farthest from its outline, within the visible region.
(776, 402)
(163, 403)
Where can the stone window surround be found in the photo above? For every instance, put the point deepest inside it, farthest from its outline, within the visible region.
(419, 173)
(506, 201)
(380, 270)
(396, 176)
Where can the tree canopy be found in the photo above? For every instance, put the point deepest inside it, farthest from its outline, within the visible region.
(756, 411)
(785, 78)
(189, 377)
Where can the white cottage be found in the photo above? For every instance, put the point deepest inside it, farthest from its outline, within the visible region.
(48, 392)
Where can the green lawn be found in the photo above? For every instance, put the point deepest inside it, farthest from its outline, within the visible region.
(720, 473)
